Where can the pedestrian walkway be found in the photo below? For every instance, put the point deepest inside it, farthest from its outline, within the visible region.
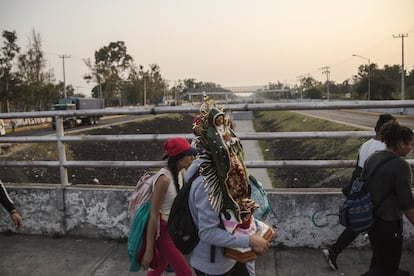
(22, 255)
(253, 152)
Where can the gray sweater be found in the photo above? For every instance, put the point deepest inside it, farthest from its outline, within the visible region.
(207, 222)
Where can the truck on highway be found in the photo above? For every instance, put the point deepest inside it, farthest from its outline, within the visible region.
(77, 103)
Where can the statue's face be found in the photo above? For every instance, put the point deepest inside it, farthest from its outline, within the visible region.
(219, 120)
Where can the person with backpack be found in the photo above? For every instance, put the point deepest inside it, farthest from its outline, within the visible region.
(219, 200)
(159, 248)
(369, 147)
(207, 258)
(6, 201)
(394, 182)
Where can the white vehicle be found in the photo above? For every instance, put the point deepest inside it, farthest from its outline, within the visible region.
(2, 127)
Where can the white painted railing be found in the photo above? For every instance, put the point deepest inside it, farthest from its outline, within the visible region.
(60, 138)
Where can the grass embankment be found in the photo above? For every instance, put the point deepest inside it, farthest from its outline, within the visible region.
(305, 149)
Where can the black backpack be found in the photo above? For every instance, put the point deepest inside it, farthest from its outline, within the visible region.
(181, 226)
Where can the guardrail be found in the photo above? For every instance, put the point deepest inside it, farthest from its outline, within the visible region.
(60, 137)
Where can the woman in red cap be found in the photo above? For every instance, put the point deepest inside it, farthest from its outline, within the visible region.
(180, 154)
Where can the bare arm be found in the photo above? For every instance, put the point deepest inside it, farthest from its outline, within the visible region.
(160, 188)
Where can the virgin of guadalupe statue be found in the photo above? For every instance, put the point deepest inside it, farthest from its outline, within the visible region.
(225, 175)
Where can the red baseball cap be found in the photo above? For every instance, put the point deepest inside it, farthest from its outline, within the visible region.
(178, 145)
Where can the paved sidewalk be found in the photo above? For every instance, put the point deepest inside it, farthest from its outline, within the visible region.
(253, 152)
(22, 255)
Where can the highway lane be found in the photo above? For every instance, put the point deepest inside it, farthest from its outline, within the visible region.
(366, 120)
(47, 128)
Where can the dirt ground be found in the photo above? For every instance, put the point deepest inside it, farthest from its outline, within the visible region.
(99, 150)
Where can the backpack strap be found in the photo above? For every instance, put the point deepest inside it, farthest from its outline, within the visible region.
(221, 225)
(346, 190)
(212, 253)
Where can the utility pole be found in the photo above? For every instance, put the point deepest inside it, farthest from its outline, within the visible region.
(145, 91)
(299, 79)
(402, 63)
(64, 80)
(326, 71)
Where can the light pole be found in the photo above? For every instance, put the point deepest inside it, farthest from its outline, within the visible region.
(369, 74)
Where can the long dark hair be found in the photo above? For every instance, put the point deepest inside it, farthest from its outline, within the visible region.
(172, 166)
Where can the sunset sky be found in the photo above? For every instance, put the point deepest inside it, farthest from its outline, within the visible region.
(228, 42)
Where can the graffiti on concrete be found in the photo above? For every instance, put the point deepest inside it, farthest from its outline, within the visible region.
(322, 218)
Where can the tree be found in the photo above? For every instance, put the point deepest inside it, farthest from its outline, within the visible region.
(131, 93)
(336, 91)
(314, 93)
(310, 87)
(364, 75)
(155, 84)
(410, 86)
(112, 66)
(385, 82)
(9, 52)
(34, 80)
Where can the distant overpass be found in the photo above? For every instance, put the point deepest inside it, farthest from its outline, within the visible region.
(231, 91)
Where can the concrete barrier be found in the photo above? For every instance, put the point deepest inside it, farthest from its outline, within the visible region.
(301, 217)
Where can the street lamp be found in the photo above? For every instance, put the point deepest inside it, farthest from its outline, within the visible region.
(369, 74)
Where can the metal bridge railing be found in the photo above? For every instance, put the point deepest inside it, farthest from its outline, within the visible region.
(60, 138)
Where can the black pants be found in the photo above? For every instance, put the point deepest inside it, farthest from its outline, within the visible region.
(386, 242)
(344, 240)
(239, 269)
